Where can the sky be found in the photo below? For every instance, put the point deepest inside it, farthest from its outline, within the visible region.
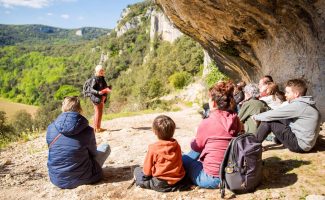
(63, 13)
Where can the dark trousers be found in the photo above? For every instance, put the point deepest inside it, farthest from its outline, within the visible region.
(281, 131)
(156, 184)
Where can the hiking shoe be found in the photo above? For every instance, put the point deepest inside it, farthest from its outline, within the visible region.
(99, 130)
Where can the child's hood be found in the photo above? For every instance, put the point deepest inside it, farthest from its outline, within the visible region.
(167, 148)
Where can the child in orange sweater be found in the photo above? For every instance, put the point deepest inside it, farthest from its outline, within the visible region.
(163, 167)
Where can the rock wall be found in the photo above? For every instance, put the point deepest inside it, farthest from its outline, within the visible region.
(134, 22)
(127, 26)
(79, 32)
(164, 29)
(251, 38)
(206, 64)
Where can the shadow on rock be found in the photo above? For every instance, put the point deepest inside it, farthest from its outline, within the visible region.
(275, 172)
(145, 128)
(118, 174)
(142, 128)
(273, 147)
(115, 130)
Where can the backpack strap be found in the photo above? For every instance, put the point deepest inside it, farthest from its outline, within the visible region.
(222, 169)
(54, 140)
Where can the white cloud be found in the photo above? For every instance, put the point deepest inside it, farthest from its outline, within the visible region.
(25, 3)
(65, 16)
(7, 12)
(81, 18)
(49, 14)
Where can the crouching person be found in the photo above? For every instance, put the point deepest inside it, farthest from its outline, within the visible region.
(163, 168)
(73, 158)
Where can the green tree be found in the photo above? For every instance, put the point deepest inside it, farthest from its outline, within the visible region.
(180, 79)
(66, 90)
(6, 131)
(214, 76)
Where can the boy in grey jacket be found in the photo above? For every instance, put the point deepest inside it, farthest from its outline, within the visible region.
(295, 125)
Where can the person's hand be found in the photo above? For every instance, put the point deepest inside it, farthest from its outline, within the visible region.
(254, 119)
(105, 91)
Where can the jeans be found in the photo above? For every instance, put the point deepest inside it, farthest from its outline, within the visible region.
(103, 152)
(194, 171)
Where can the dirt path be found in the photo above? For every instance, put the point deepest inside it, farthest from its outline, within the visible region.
(23, 170)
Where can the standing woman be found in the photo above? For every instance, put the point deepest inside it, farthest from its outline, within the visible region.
(99, 91)
(214, 133)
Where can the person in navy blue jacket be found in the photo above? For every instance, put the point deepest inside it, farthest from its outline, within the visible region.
(73, 158)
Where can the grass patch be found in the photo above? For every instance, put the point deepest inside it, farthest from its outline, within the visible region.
(11, 108)
(4, 143)
(23, 137)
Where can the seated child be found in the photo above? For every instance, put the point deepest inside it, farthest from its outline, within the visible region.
(163, 167)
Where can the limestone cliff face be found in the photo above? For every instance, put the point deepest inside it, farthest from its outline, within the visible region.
(79, 32)
(163, 28)
(251, 38)
(132, 23)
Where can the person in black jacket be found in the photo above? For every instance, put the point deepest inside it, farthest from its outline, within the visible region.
(73, 157)
(99, 91)
(239, 95)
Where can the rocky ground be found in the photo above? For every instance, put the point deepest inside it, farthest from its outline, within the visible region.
(286, 175)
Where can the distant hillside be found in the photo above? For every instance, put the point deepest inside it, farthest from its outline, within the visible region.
(41, 34)
(140, 65)
(11, 108)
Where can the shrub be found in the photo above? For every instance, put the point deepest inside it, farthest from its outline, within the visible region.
(152, 89)
(22, 122)
(158, 104)
(6, 131)
(214, 76)
(46, 114)
(180, 79)
(87, 107)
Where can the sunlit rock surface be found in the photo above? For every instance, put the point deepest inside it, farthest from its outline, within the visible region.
(251, 38)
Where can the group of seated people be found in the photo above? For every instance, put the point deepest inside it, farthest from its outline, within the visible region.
(74, 159)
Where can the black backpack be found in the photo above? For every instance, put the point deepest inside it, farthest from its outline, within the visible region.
(241, 168)
(87, 87)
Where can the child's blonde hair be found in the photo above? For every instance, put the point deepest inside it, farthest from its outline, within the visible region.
(71, 104)
(164, 127)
